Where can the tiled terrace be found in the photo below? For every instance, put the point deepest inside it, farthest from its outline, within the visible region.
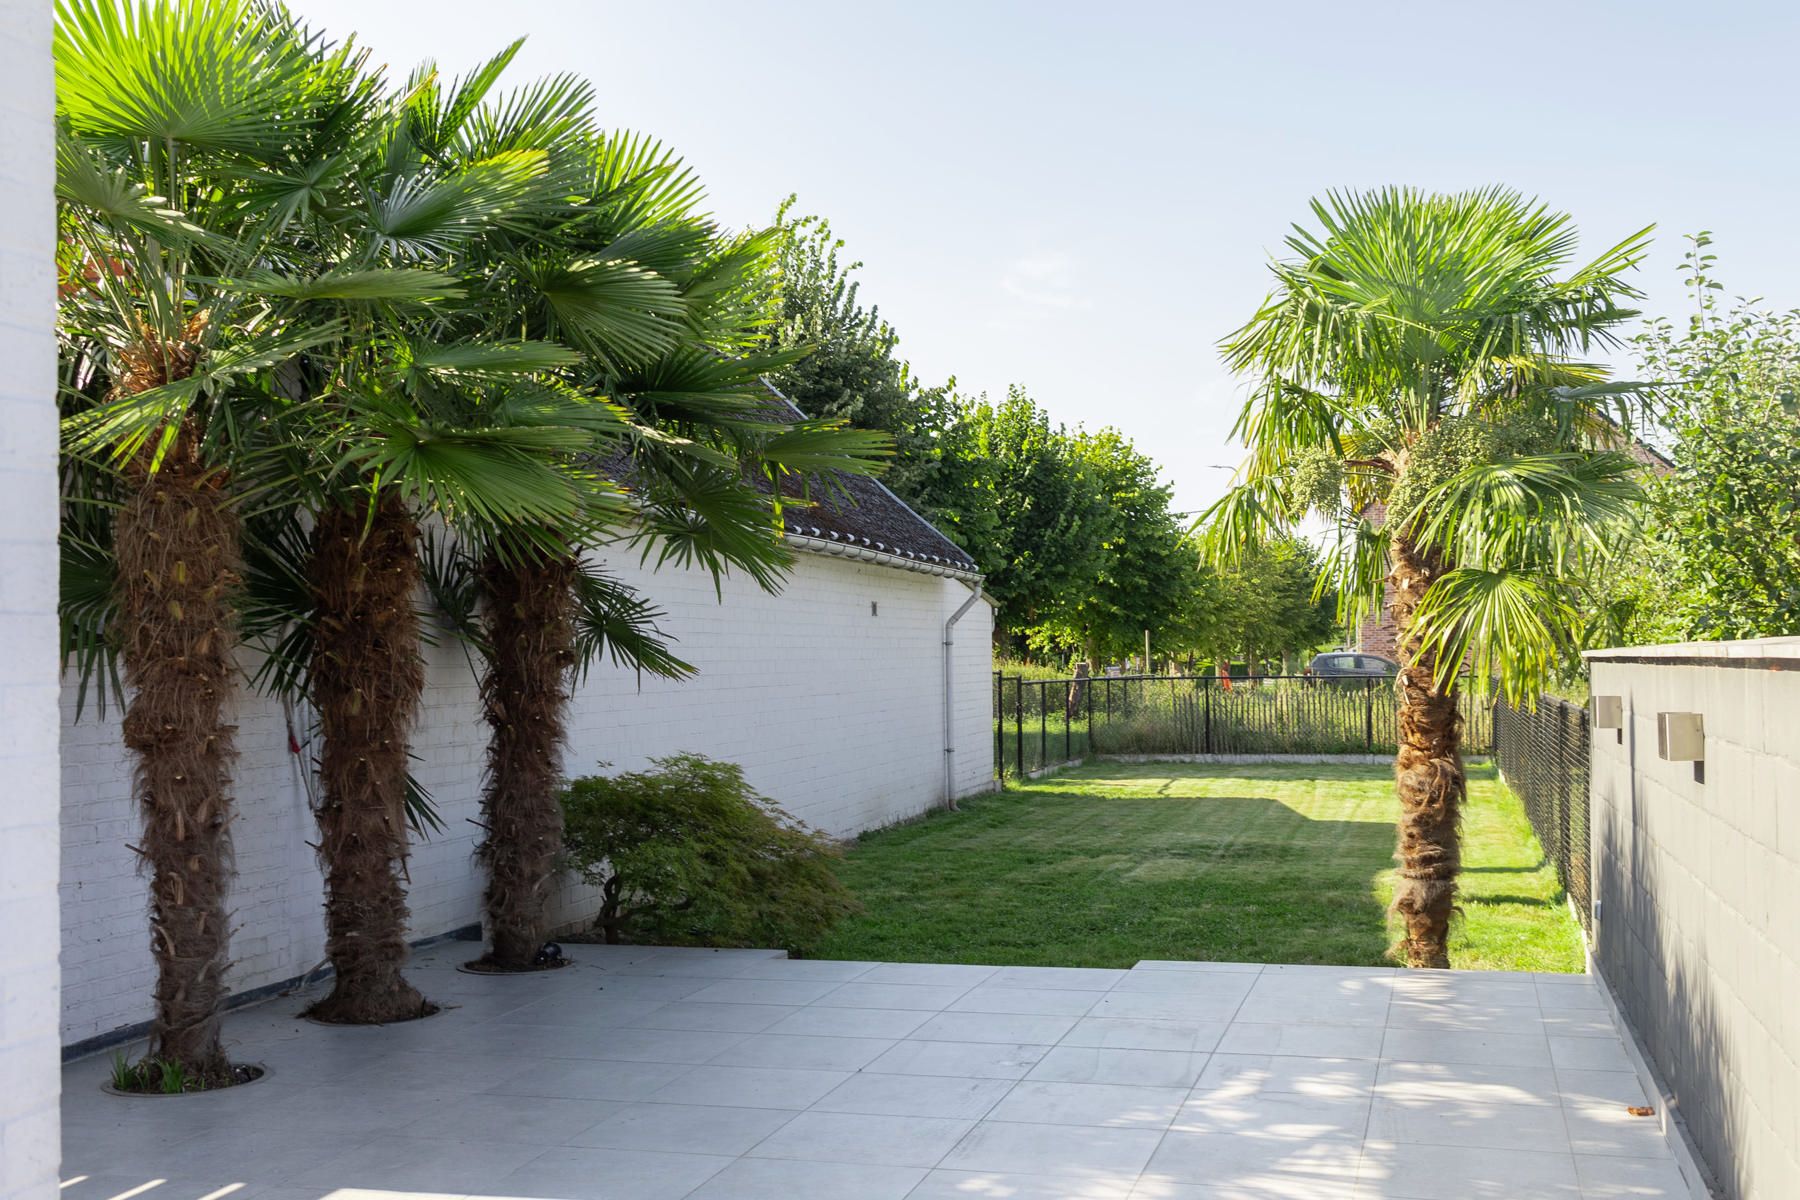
(653, 1074)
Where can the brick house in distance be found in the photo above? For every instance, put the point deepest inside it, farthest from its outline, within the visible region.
(1378, 633)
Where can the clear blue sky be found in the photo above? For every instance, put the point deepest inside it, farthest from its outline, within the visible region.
(1082, 197)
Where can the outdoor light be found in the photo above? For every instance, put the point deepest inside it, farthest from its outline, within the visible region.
(1680, 737)
(1608, 712)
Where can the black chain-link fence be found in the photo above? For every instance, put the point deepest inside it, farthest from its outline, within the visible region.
(1042, 722)
(1543, 755)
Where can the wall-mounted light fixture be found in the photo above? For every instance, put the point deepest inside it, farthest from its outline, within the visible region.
(1681, 737)
(1608, 712)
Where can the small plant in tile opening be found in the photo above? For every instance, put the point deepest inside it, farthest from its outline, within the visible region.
(689, 853)
(152, 1076)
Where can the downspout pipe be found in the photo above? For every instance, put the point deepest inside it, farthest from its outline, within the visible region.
(949, 694)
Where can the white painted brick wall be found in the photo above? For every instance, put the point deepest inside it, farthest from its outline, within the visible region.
(29, 1129)
(834, 713)
(1697, 928)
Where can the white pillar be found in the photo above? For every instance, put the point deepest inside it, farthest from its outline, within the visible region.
(29, 986)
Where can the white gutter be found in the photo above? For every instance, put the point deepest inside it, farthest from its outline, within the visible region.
(875, 552)
(949, 710)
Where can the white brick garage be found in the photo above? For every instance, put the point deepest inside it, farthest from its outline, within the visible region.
(829, 694)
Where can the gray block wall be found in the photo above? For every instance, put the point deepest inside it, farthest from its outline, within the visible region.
(1697, 882)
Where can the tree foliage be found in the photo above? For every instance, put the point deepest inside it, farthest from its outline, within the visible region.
(1720, 557)
(688, 853)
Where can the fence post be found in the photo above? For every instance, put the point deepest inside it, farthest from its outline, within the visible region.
(1000, 725)
(1043, 728)
(1369, 714)
(1207, 693)
(1090, 716)
(1019, 725)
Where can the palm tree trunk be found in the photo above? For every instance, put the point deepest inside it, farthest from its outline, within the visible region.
(176, 540)
(525, 698)
(366, 680)
(1428, 773)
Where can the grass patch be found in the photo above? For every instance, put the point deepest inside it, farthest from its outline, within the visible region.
(1111, 863)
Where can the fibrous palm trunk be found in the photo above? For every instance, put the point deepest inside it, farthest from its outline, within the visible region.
(525, 698)
(366, 682)
(1428, 772)
(176, 541)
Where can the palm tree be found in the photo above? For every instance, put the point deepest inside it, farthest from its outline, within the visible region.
(181, 129)
(662, 308)
(394, 420)
(1420, 382)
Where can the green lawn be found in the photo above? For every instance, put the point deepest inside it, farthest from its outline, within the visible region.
(1110, 863)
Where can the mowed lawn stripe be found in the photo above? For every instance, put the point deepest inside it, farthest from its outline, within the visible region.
(1110, 863)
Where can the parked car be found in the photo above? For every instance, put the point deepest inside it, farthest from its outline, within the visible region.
(1352, 666)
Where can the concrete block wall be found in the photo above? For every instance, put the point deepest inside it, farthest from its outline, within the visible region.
(834, 711)
(29, 1131)
(1697, 885)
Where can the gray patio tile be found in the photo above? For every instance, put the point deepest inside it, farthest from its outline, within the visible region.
(750, 1087)
(625, 988)
(1086, 979)
(1212, 1005)
(929, 974)
(1599, 1088)
(488, 1117)
(864, 1138)
(583, 1079)
(1278, 1116)
(720, 1018)
(1184, 964)
(1442, 1083)
(1416, 1172)
(1233, 1167)
(613, 1006)
(1194, 983)
(974, 1185)
(1612, 1178)
(1308, 1041)
(800, 1179)
(1466, 1122)
(915, 1095)
(414, 1164)
(1119, 1106)
(815, 1021)
(1148, 1068)
(1318, 998)
(1610, 1129)
(270, 1155)
(1456, 1016)
(79, 1186)
(658, 1045)
(1330, 970)
(1061, 1002)
(1111, 1154)
(1470, 987)
(920, 997)
(1139, 1033)
(612, 1174)
(961, 1060)
(689, 1128)
(762, 991)
(1578, 1022)
(1582, 994)
(469, 1071)
(994, 1027)
(1228, 1076)
(812, 1053)
(821, 969)
(1589, 1054)
(1487, 1049)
